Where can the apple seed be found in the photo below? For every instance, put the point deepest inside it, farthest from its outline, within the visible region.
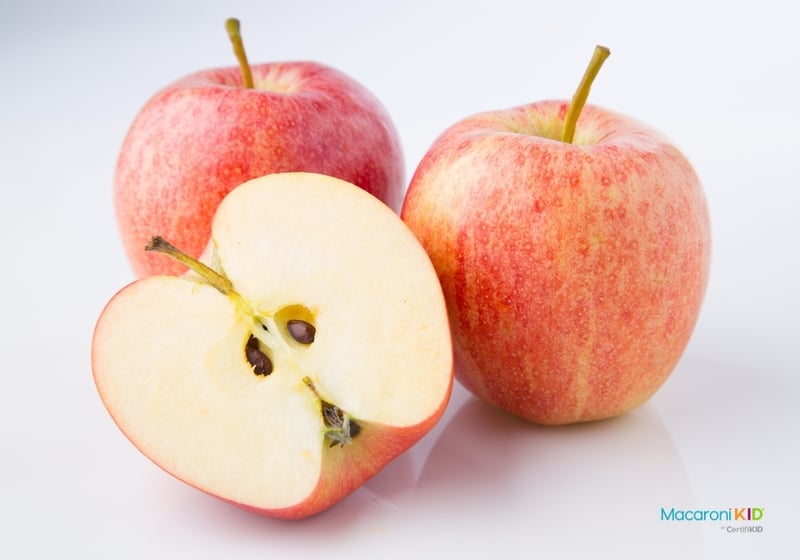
(302, 331)
(261, 363)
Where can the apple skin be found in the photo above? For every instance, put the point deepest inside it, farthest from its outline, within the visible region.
(203, 135)
(573, 274)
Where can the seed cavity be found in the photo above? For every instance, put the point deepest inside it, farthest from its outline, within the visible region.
(261, 363)
(302, 331)
(339, 428)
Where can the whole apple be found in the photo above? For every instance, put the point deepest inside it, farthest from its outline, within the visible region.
(201, 136)
(573, 272)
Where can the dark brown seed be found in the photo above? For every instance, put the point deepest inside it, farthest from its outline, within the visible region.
(261, 363)
(302, 331)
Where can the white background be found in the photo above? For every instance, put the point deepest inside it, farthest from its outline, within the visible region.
(720, 79)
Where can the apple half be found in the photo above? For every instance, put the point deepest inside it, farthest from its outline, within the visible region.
(306, 349)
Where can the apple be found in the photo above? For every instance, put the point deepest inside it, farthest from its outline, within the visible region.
(307, 348)
(203, 135)
(573, 266)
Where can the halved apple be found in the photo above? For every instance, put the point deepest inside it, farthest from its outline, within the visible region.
(307, 348)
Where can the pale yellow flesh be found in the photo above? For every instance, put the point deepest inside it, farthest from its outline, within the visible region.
(169, 352)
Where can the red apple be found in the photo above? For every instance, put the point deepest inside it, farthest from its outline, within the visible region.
(201, 136)
(573, 271)
(307, 349)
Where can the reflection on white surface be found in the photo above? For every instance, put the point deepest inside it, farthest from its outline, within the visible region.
(568, 489)
(488, 480)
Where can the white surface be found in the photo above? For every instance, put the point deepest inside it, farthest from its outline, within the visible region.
(719, 78)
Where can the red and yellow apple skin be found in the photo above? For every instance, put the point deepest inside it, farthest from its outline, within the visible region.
(573, 273)
(203, 135)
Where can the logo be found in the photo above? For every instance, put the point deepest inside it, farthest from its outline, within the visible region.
(739, 519)
(727, 514)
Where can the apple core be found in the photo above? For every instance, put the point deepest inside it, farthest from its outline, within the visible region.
(340, 428)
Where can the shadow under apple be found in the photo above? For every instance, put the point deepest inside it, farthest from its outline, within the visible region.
(495, 477)
(177, 511)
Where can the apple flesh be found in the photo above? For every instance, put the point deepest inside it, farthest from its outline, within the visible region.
(308, 348)
(200, 137)
(573, 272)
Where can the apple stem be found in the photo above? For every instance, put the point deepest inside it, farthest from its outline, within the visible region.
(214, 278)
(233, 29)
(599, 56)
